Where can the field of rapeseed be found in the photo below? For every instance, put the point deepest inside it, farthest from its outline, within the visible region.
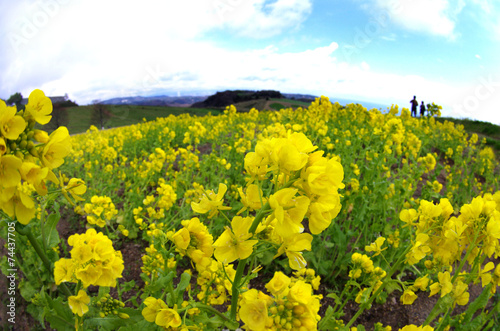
(360, 202)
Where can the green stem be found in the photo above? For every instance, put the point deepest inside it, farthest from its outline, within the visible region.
(26, 231)
(363, 306)
(42, 227)
(236, 287)
(242, 263)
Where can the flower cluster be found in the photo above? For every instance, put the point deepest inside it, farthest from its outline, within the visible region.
(215, 283)
(365, 273)
(28, 156)
(93, 261)
(195, 241)
(157, 311)
(100, 211)
(291, 306)
(109, 306)
(315, 182)
(446, 241)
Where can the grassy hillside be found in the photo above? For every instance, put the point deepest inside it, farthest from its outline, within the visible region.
(483, 129)
(79, 118)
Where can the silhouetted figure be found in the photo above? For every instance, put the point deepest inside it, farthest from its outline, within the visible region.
(422, 109)
(414, 104)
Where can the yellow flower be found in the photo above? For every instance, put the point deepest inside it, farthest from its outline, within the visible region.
(413, 327)
(211, 202)
(63, 270)
(409, 216)
(419, 249)
(95, 260)
(39, 107)
(323, 176)
(19, 203)
(421, 283)
(254, 314)
(11, 125)
(79, 303)
(153, 307)
(3, 146)
(232, 245)
(168, 318)
(9, 171)
(300, 292)
(75, 187)
(460, 294)
(195, 241)
(288, 157)
(252, 199)
(278, 285)
(289, 211)
(41, 136)
(56, 149)
(181, 238)
(323, 211)
(293, 247)
(35, 175)
(485, 275)
(444, 285)
(376, 246)
(408, 297)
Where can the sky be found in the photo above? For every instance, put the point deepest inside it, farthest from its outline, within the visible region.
(377, 51)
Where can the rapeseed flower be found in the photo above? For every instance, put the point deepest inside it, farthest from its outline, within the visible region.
(11, 125)
(211, 203)
(39, 107)
(278, 285)
(376, 246)
(289, 211)
(293, 246)
(235, 244)
(79, 304)
(93, 261)
(56, 149)
(195, 241)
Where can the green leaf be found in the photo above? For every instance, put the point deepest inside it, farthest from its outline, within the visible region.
(58, 314)
(392, 285)
(51, 234)
(184, 283)
(480, 302)
(329, 322)
(339, 237)
(113, 322)
(127, 286)
(161, 283)
(334, 297)
(141, 325)
(181, 287)
(27, 289)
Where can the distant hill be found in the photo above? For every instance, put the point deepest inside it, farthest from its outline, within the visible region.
(160, 100)
(226, 98)
(244, 100)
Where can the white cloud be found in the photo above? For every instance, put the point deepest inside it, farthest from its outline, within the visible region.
(436, 17)
(487, 16)
(50, 39)
(99, 50)
(260, 18)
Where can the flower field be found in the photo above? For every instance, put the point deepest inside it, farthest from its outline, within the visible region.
(359, 203)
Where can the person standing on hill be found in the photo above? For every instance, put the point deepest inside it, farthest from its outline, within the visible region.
(422, 109)
(414, 104)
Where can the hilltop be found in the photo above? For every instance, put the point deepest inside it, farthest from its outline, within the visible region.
(244, 100)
